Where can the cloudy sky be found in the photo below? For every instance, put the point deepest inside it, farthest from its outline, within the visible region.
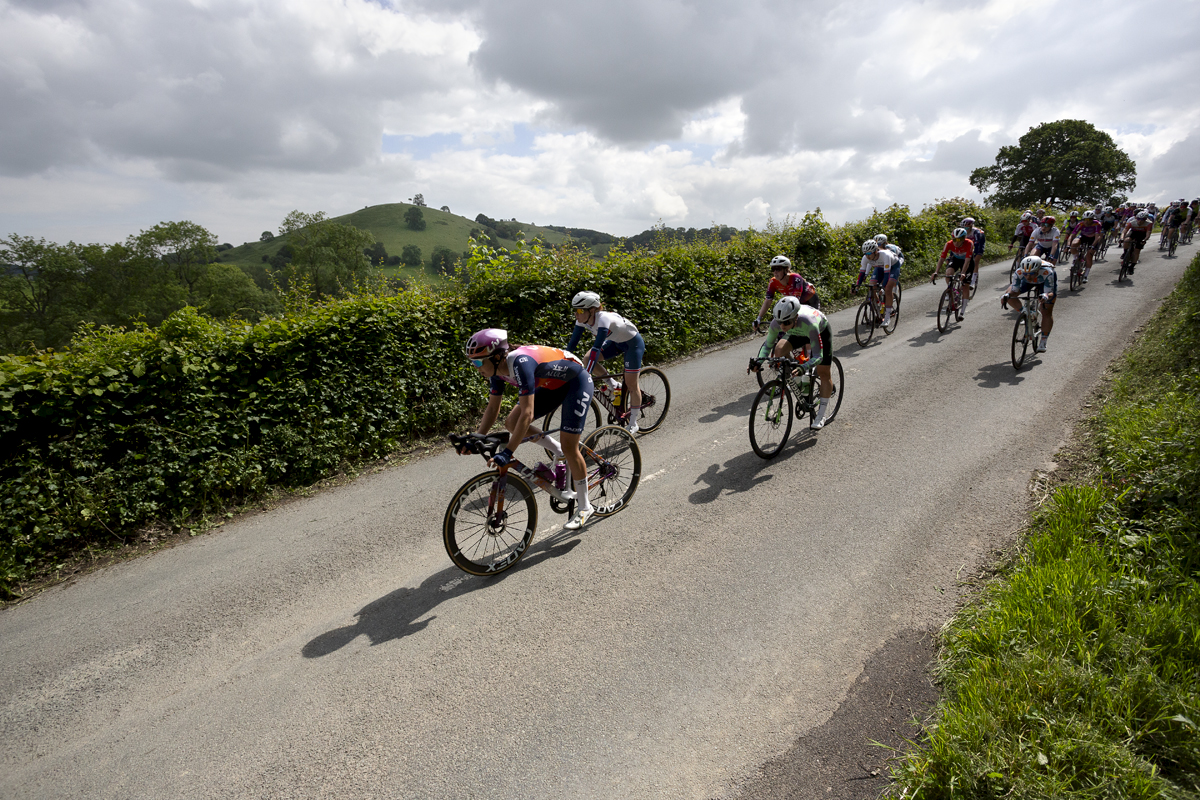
(119, 114)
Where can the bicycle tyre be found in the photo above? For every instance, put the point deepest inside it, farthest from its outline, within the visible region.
(771, 372)
(835, 396)
(481, 546)
(1076, 276)
(944, 312)
(656, 399)
(618, 449)
(1172, 244)
(590, 423)
(864, 323)
(771, 419)
(1012, 270)
(1020, 343)
(890, 328)
(1126, 259)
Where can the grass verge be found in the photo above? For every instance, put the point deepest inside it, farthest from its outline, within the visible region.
(1076, 674)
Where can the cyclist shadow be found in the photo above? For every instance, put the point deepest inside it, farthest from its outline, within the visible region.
(405, 611)
(741, 474)
(739, 407)
(993, 376)
(928, 337)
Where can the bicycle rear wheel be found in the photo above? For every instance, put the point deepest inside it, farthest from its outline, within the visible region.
(836, 376)
(481, 540)
(864, 322)
(614, 473)
(656, 399)
(771, 419)
(1076, 275)
(590, 422)
(944, 312)
(890, 328)
(1020, 343)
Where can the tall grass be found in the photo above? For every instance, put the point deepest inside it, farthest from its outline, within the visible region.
(1077, 674)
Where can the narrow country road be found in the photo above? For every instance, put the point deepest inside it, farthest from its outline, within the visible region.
(329, 649)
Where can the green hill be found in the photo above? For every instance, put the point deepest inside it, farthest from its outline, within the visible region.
(386, 223)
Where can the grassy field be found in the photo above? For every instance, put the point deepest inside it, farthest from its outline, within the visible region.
(1076, 674)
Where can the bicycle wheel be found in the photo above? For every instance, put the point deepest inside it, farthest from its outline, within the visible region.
(481, 540)
(766, 375)
(1174, 242)
(656, 399)
(890, 328)
(1126, 260)
(771, 419)
(864, 323)
(1020, 343)
(1076, 275)
(614, 473)
(945, 312)
(590, 423)
(836, 376)
(1016, 260)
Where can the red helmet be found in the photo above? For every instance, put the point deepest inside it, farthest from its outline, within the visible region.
(1047, 220)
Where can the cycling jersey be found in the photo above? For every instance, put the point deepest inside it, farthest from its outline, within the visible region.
(978, 238)
(959, 250)
(1024, 229)
(812, 325)
(1108, 220)
(793, 285)
(1143, 226)
(1089, 228)
(534, 367)
(614, 334)
(1045, 239)
(1042, 276)
(1174, 218)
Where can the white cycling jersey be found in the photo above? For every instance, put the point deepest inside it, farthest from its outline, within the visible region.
(1045, 239)
(619, 328)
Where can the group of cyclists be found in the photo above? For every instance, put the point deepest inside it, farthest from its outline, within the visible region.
(549, 378)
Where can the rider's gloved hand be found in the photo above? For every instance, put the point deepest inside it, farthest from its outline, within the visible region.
(755, 365)
(1045, 297)
(757, 322)
(503, 457)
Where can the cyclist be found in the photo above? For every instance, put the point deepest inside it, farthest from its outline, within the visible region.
(789, 284)
(546, 378)
(1086, 234)
(1023, 231)
(1034, 271)
(1190, 222)
(614, 334)
(1044, 239)
(978, 237)
(1137, 231)
(1108, 220)
(1173, 220)
(796, 325)
(886, 273)
(956, 255)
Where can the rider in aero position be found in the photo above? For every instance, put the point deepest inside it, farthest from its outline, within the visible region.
(886, 274)
(956, 255)
(1044, 239)
(1137, 231)
(789, 284)
(614, 334)
(1032, 272)
(795, 325)
(546, 378)
(1086, 234)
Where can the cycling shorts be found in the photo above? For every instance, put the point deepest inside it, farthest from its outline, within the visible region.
(1041, 250)
(797, 340)
(1021, 287)
(1139, 238)
(1086, 241)
(893, 274)
(634, 350)
(574, 397)
(956, 264)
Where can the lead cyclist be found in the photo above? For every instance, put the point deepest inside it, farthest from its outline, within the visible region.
(795, 325)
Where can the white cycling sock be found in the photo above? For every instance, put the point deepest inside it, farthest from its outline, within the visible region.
(551, 446)
(581, 495)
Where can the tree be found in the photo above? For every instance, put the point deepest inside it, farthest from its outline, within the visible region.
(414, 218)
(41, 285)
(326, 257)
(446, 209)
(442, 260)
(377, 254)
(227, 291)
(187, 248)
(1063, 163)
(417, 199)
(266, 236)
(411, 256)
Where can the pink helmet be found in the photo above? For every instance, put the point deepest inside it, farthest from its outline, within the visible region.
(486, 342)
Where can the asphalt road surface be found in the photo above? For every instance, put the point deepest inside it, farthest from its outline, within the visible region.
(328, 648)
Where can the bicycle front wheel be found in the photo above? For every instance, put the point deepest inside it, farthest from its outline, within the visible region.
(864, 323)
(771, 419)
(656, 399)
(1020, 343)
(836, 376)
(484, 536)
(614, 468)
(1076, 277)
(1171, 247)
(945, 312)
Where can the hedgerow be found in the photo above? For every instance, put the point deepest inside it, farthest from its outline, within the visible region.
(129, 426)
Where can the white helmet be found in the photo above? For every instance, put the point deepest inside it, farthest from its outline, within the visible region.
(1108, 209)
(968, 221)
(779, 262)
(1030, 263)
(1142, 214)
(881, 239)
(786, 310)
(1089, 215)
(869, 247)
(585, 300)
(1026, 216)
(959, 233)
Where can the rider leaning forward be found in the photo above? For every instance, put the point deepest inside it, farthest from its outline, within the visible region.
(795, 325)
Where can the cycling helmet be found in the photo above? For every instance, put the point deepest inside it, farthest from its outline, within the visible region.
(1089, 215)
(881, 239)
(1031, 263)
(487, 342)
(1143, 214)
(585, 300)
(968, 221)
(780, 262)
(1074, 213)
(786, 310)
(959, 233)
(1107, 209)
(1026, 216)
(1048, 220)
(869, 247)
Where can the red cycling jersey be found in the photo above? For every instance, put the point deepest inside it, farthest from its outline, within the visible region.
(956, 249)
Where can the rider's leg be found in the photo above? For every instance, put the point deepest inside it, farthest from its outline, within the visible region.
(578, 471)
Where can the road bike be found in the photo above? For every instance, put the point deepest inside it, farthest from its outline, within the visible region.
(1102, 248)
(871, 313)
(1185, 236)
(797, 391)
(1016, 262)
(1127, 260)
(492, 518)
(1077, 267)
(951, 303)
(1172, 241)
(1027, 327)
(613, 404)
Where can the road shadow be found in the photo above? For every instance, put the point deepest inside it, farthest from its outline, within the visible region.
(993, 376)
(931, 336)
(733, 408)
(405, 611)
(743, 472)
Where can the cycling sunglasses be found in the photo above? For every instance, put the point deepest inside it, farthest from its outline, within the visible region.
(478, 362)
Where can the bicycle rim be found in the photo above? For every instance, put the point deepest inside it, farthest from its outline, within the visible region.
(864, 323)
(1020, 343)
(656, 399)
(614, 473)
(944, 312)
(487, 544)
(771, 419)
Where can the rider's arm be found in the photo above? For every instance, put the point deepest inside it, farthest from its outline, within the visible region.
(524, 419)
(768, 344)
(489, 414)
(816, 353)
(576, 335)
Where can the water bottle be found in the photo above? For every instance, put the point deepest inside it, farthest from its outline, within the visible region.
(544, 472)
(617, 397)
(560, 476)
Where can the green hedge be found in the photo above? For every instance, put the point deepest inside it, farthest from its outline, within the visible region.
(132, 426)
